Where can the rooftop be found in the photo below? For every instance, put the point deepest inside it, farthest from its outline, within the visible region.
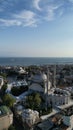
(53, 123)
(62, 107)
(46, 125)
(54, 111)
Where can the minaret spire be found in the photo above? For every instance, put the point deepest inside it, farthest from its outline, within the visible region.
(46, 87)
(47, 79)
(55, 76)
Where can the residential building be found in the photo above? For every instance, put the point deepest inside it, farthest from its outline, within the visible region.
(6, 118)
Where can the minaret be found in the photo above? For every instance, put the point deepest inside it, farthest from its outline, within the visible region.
(46, 87)
(47, 79)
(47, 83)
(54, 76)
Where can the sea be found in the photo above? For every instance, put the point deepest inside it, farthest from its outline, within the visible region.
(27, 61)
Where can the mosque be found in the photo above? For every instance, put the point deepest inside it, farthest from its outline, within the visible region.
(42, 84)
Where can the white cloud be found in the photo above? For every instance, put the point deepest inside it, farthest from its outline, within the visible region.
(28, 18)
(25, 14)
(9, 22)
(24, 18)
(36, 4)
(51, 11)
(31, 15)
(71, 1)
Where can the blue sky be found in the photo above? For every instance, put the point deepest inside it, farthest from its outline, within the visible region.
(36, 28)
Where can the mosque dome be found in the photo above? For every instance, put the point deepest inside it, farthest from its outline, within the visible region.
(44, 77)
(39, 77)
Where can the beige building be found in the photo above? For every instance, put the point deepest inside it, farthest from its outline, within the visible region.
(6, 118)
(28, 117)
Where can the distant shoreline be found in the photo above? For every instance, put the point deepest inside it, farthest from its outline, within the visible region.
(27, 61)
(33, 57)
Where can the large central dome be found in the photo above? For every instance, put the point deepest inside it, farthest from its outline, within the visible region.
(39, 77)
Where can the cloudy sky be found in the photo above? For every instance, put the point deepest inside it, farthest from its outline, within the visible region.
(36, 28)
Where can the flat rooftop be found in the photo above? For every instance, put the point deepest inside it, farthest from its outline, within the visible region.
(46, 125)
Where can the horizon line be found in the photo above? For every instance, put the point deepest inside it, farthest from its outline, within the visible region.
(34, 57)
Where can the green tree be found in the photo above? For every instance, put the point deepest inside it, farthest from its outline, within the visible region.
(3, 89)
(34, 101)
(30, 102)
(8, 100)
(11, 127)
(4, 75)
(37, 100)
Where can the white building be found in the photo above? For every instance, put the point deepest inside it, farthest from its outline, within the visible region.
(16, 84)
(30, 117)
(20, 70)
(58, 97)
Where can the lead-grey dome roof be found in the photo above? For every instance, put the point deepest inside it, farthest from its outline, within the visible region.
(39, 77)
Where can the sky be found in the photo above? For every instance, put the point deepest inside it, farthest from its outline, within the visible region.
(36, 28)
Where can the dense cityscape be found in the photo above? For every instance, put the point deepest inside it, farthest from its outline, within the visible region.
(36, 64)
(36, 97)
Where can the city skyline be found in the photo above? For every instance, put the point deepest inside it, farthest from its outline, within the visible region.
(36, 28)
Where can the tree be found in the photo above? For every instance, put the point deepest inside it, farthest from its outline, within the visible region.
(3, 89)
(8, 100)
(4, 75)
(34, 101)
(37, 100)
(11, 127)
